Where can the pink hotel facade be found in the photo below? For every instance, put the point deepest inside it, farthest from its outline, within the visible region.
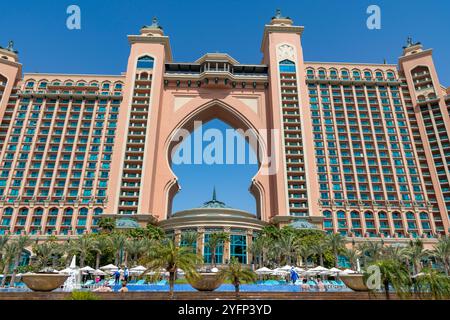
(365, 147)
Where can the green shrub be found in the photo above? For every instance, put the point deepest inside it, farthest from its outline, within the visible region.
(82, 295)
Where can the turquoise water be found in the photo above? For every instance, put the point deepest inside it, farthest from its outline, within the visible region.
(187, 287)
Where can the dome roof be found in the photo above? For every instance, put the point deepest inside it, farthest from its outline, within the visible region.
(301, 224)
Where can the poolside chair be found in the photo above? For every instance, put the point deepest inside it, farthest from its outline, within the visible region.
(132, 282)
(140, 282)
(161, 283)
(89, 283)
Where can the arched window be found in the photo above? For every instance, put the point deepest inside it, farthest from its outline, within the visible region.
(68, 211)
(43, 84)
(368, 75)
(356, 75)
(145, 62)
(8, 212)
(23, 211)
(344, 74)
(98, 211)
(83, 212)
(38, 212)
(333, 74)
(53, 212)
(287, 66)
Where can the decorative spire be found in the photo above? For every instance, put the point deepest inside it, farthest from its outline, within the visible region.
(278, 14)
(409, 42)
(10, 46)
(154, 25)
(214, 203)
(155, 22)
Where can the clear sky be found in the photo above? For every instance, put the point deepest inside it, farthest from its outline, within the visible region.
(334, 31)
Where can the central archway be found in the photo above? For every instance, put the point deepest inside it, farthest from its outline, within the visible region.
(214, 156)
(204, 114)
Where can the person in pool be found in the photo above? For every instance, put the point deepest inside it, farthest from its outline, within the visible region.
(305, 286)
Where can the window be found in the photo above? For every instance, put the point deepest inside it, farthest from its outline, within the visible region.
(287, 66)
(145, 63)
(207, 252)
(238, 248)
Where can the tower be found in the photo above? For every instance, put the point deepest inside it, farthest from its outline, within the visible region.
(297, 190)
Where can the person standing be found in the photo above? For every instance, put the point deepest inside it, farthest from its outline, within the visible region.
(116, 277)
(126, 274)
(294, 276)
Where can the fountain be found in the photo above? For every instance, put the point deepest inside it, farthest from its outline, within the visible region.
(73, 281)
(206, 281)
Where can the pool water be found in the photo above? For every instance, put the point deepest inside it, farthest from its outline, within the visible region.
(187, 287)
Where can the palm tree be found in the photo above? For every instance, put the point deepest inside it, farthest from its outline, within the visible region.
(117, 243)
(286, 245)
(85, 245)
(133, 248)
(352, 255)
(319, 249)
(169, 256)
(370, 251)
(215, 240)
(396, 253)
(43, 252)
(21, 243)
(434, 283)
(9, 252)
(441, 253)
(236, 274)
(260, 248)
(394, 273)
(3, 241)
(107, 224)
(101, 245)
(336, 242)
(189, 239)
(304, 252)
(417, 253)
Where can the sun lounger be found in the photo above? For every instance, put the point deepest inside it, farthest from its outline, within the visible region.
(140, 282)
(161, 283)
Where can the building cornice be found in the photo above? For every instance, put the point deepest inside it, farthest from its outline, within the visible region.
(164, 40)
(414, 56)
(279, 29)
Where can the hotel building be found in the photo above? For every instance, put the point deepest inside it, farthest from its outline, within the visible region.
(364, 150)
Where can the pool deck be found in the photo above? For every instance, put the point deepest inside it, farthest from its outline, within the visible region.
(204, 296)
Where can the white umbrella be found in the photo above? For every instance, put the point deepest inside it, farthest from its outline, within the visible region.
(279, 272)
(180, 271)
(109, 267)
(299, 270)
(263, 270)
(215, 270)
(138, 269)
(318, 269)
(286, 268)
(99, 272)
(87, 269)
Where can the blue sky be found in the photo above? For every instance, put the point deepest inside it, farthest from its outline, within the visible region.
(334, 31)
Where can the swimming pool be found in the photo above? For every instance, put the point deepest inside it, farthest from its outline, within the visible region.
(187, 287)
